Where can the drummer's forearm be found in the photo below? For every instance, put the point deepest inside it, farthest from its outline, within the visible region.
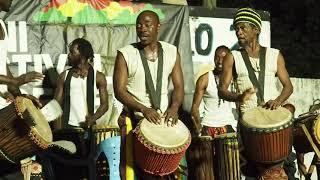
(100, 111)
(285, 94)
(229, 96)
(13, 87)
(127, 100)
(177, 98)
(15, 91)
(8, 80)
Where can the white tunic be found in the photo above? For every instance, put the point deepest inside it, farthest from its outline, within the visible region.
(216, 115)
(270, 80)
(136, 77)
(78, 99)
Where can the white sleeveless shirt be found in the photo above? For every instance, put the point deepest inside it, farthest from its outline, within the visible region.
(3, 62)
(217, 114)
(136, 77)
(270, 80)
(78, 99)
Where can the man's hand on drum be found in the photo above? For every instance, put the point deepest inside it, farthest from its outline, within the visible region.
(247, 94)
(272, 104)
(35, 100)
(29, 77)
(90, 121)
(151, 115)
(171, 117)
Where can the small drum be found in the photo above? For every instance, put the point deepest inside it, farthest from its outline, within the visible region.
(300, 141)
(227, 161)
(23, 130)
(76, 135)
(200, 158)
(101, 132)
(267, 134)
(158, 149)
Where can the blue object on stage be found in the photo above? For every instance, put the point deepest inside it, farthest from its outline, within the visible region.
(111, 148)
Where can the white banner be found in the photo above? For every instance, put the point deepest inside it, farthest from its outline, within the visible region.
(207, 33)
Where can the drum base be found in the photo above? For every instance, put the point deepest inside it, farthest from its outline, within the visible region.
(200, 160)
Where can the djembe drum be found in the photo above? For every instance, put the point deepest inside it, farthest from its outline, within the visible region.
(227, 161)
(158, 149)
(300, 141)
(306, 138)
(267, 136)
(102, 132)
(200, 158)
(23, 130)
(77, 135)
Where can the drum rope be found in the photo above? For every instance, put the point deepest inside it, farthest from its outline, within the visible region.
(5, 156)
(315, 148)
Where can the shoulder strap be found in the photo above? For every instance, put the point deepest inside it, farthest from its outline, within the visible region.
(90, 90)
(155, 94)
(66, 99)
(258, 84)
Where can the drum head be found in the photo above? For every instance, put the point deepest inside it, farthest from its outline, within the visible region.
(63, 145)
(316, 129)
(41, 127)
(266, 119)
(164, 136)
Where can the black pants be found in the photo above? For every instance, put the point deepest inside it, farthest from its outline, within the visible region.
(288, 166)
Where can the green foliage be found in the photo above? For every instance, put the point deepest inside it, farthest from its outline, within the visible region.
(89, 15)
(52, 16)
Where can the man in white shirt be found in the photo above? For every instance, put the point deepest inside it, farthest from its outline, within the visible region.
(218, 117)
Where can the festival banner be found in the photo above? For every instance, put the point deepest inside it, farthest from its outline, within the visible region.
(40, 31)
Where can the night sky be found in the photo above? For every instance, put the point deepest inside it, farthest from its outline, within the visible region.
(295, 27)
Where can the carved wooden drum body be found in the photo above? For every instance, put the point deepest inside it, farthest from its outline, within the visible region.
(158, 149)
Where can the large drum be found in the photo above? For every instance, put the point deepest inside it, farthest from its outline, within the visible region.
(158, 149)
(23, 130)
(267, 134)
(200, 158)
(227, 161)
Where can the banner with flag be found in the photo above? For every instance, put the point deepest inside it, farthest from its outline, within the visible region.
(40, 31)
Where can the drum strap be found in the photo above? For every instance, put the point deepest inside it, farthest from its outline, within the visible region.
(66, 99)
(155, 94)
(258, 83)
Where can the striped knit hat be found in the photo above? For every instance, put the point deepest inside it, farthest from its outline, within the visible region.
(248, 15)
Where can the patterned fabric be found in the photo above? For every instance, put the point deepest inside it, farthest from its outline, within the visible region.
(274, 174)
(247, 15)
(214, 131)
(31, 170)
(36, 171)
(126, 153)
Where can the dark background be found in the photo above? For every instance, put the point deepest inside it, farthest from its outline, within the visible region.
(295, 27)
